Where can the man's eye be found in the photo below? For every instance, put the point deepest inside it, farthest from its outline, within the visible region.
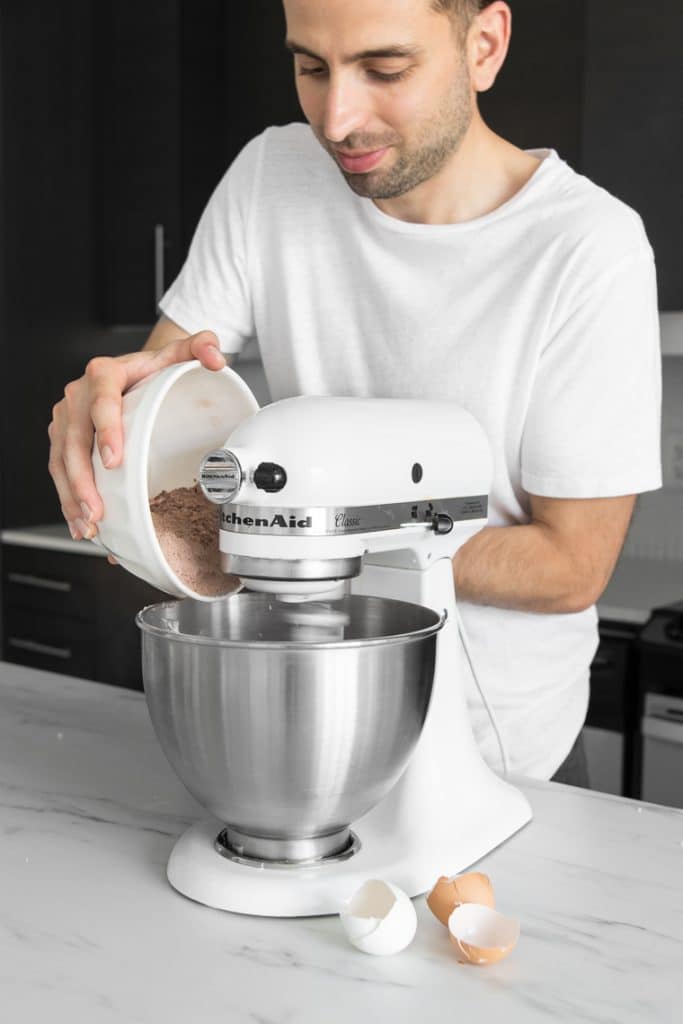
(379, 75)
(395, 76)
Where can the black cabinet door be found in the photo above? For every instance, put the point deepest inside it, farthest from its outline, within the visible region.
(536, 99)
(46, 235)
(120, 596)
(633, 120)
(55, 643)
(73, 614)
(54, 582)
(173, 98)
(260, 72)
(137, 131)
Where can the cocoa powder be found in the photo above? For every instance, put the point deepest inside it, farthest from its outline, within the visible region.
(187, 526)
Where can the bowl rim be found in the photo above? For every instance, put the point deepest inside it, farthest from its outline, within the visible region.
(206, 641)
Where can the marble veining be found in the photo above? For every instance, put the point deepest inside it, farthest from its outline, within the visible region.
(91, 931)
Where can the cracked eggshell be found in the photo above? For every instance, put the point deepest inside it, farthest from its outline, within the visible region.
(481, 935)
(449, 893)
(379, 918)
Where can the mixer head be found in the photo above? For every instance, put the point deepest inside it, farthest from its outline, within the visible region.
(310, 486)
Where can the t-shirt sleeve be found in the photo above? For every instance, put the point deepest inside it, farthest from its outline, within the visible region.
(212, 290)
(593, 423)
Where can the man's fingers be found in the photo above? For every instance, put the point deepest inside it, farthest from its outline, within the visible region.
(203, 346)
(107, 379)
(70, 507)
(105, 412)
(56, 466)
(135, 366)
(75, 447)
(78, 465)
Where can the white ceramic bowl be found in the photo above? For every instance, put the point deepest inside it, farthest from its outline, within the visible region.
(170, 421)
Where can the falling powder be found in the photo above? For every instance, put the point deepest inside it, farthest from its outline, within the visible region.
(187, 525)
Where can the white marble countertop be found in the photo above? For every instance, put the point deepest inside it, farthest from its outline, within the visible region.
(91, 931)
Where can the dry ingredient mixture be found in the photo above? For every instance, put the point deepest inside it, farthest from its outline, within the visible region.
(186, 525)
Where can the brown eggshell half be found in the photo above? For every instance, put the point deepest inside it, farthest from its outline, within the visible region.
(449, 893)
(480, 935)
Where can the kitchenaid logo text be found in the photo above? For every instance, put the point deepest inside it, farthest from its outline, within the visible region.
(285, 523)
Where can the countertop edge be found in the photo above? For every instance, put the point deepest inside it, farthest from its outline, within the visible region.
(33, 538)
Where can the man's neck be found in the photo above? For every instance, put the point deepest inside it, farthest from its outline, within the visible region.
(484, 173)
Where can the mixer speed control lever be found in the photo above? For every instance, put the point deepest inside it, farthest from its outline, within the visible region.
(442, 522)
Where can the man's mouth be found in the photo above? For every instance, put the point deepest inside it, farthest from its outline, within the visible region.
(357, 163)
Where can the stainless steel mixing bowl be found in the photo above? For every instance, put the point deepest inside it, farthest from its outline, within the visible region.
(288, 721)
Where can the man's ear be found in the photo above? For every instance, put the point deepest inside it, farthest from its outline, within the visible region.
(488, 40)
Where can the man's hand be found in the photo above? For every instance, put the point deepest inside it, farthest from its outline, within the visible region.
(92, 407)
(559, 562)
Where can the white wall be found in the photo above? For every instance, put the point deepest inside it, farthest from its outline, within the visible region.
(657, 527)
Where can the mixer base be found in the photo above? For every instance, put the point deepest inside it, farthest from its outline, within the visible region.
(197, 870)
(254, 851)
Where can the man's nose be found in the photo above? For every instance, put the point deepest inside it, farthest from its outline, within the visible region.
(346, 109)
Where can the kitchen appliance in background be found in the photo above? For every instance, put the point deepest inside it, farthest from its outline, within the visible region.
(661, 668)
(611, 731)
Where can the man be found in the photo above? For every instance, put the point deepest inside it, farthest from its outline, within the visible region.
(396, 246)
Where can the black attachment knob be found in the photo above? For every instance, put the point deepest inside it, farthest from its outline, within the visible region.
(442, 522)
(270, 477)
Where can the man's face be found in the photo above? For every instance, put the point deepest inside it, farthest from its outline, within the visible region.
(354, 104)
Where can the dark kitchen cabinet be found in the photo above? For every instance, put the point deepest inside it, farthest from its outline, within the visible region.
(632, 140)
(180, 86)
(537, 99)
(259, 82)
(73, 614)
(47, 264)
(136, 49)
(612, 728)
(115, 118)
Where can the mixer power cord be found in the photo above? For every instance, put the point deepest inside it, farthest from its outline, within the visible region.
(489, 709)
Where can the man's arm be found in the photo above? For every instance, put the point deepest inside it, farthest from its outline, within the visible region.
(559, 562)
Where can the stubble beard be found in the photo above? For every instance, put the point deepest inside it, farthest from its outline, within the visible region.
(439, 138)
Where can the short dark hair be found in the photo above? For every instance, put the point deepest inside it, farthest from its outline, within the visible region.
(463, 10)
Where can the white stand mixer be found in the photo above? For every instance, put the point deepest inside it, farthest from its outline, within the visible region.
(319, 495)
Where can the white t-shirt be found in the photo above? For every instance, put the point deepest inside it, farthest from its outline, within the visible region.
(540, 318)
